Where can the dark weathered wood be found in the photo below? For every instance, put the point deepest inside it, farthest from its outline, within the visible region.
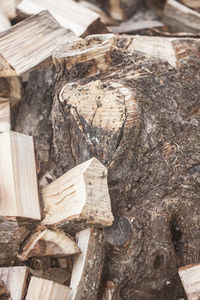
(9, 241)
(123, 9)
(128, 106)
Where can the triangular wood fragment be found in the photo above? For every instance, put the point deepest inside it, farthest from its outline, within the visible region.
(4, 114)
(18, 189)
(29, 43)
(190, 279)
(15, 280)
(42, 289)
(50, 243)
(81, 194)
(87, 268)
(69, 14)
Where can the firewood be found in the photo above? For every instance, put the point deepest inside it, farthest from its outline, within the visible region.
(79, 195)
(8, 8)
(4, 22)
(123, 9)
(21, 54)
(87, 268)
(180, 18)
(191, 3)
(127, 27)
(190, 279)
(49, 243)
(19, 191)
(69, 14)
(11, 89)
(15, 280)
(45, 289)
(4, 114)
(9, 241)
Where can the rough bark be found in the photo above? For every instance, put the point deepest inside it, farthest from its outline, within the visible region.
(152, 152)
(9, 241)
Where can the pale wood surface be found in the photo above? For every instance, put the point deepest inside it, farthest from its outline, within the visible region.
(8, 8)
(181, 18)
(190, 277)
(19, 190)
(191, 3)
(19, 53)
(4, 114)
(68, 13)
(81, 193)
(50, 243)
(15, 280)
(4, 22)
(47, 290)
(87, 268)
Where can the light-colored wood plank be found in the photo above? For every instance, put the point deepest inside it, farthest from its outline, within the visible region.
(68, 13)
(190, 277)
(179, 17)
(4, 114)
(87, 268)
(191, 3)
(49, 243)
(8, 8)
(29, 43)
(80, 194)
(47, 290)
(15, 280)
(18, 189)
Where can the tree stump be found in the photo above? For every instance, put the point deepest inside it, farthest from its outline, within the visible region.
(138, 113)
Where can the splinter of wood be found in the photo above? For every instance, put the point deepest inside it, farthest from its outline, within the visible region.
(190, 279)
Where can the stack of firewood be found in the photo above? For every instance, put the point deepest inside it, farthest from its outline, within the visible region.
(52, 244)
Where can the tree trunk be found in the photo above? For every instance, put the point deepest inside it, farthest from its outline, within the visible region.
(137, 113)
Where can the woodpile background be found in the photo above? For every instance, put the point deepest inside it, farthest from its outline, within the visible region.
(99, 149)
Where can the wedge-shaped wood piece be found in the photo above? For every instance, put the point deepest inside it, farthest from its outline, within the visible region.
(190, 279)
(8, 8)
(181, 18)
(87, 268)
(69, 14)
(80, 194)
(4, 114)
(50, 243)
(29, 43)
(46, 289)
(18, 180)
(191, 3)
(15, 280)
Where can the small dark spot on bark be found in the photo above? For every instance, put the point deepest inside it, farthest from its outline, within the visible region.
(176, 234)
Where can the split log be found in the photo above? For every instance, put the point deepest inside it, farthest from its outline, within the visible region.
(123, 9)
(151, 149)
(190, 278)
(87, 268)
(82, 21)
(15, 279)
(45, 289)
(4, 114)
(19, 191)
(21, 54)
(8, 8)
(9, 241)
(180, 18)
(80, 195)
(49, 243)
(55, 274)
(131, 26)
(11, 89)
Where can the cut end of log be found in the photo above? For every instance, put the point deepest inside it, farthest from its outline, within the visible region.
(49, 243)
